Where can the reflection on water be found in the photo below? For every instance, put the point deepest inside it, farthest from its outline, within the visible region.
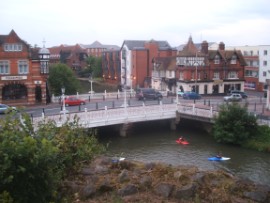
(155, 142)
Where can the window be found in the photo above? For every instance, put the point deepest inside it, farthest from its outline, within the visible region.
(13, 47)
(233, 60)
(23, 67)
(216, 75)
(251, 73)
(4, 67)
(265, 63)
(232, 75)
(264, 73)
(265, 52)
(217, 59)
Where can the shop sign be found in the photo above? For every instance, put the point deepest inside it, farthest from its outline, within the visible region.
(14, 77)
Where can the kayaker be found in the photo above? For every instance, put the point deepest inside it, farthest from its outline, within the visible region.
(181, 139)
(219, 155)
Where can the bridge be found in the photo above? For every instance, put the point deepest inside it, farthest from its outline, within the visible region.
(126, 115)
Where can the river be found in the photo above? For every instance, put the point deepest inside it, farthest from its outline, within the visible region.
(154, 141)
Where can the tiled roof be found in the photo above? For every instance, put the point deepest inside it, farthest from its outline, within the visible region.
(139, 44)
(227, 55)
(166, 63)
(98, 45)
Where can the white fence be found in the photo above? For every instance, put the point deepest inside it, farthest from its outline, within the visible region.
(127, 115)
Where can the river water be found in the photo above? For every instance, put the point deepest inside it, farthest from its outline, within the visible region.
(155, 142)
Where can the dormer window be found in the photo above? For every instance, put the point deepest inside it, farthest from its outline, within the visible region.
(217, 59)
(233, 60)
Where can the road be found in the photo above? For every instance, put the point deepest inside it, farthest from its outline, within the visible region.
(256, 104)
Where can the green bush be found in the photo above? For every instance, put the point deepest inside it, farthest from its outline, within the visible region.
(33, 163)
(234, 124)
(261, 142)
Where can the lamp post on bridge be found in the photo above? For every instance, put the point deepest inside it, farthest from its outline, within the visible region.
(91, 84)
(64, 111)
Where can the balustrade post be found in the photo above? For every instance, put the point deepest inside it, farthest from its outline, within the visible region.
(211, 111)
(43, 116)
(106, 112)
(105, 94)
(193, 108)
(85, 110)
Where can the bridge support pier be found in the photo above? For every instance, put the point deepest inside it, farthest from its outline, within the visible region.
(174, 121)
(123, 129)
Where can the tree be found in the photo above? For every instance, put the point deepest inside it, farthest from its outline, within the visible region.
(62, 76)
(93, 68)
(234, 124)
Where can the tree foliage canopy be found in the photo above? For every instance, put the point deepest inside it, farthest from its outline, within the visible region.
(234, 124)
(62, 76)
(33, 163)
(94, 68)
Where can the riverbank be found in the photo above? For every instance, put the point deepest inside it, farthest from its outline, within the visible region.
(111, 180)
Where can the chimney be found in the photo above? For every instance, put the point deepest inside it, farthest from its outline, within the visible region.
(204, 47)
(221, 46)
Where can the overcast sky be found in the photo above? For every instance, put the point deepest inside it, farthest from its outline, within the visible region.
(234, 22)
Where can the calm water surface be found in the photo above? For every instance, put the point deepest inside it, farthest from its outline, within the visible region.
(155, 142)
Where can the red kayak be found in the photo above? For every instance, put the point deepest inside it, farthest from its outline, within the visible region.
(182, 142)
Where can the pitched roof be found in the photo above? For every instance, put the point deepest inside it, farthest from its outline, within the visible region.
(140, 44)
(227, 55)
(165, 63)
(97, 44)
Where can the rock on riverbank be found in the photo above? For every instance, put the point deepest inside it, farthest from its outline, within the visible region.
(105, 180)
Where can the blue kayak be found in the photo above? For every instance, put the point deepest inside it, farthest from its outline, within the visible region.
(218, 159)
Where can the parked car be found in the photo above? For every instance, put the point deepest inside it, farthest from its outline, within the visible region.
(191, 95)
(73, 101)
(148, 93)
(180, 93)
(243, 94)
(233, 97)
(6, 108)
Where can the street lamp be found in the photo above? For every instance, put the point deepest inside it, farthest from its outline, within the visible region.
(131, 78)
(63, 99)
(196, 72)
(91, 82)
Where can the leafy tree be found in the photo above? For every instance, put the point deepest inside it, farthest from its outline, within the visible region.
(33, 162)
(234, 124)
(94, 67)
(62, 76)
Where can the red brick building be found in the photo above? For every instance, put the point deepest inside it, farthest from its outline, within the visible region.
(204, 71)
(111, 66)
(137, 61)
(73, 56)
(96, 49)
(23, 71)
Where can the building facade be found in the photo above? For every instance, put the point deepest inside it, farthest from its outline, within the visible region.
(96, 49)
(137, 61)
(203, 71)
(111, 66)
(23, 71)
(73, 56)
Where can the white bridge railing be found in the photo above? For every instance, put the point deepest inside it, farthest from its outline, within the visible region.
(128, 115)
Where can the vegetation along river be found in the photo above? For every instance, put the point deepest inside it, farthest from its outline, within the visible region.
(154, 141)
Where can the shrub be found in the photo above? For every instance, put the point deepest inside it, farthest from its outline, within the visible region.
(234, 124)
(33, 163)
